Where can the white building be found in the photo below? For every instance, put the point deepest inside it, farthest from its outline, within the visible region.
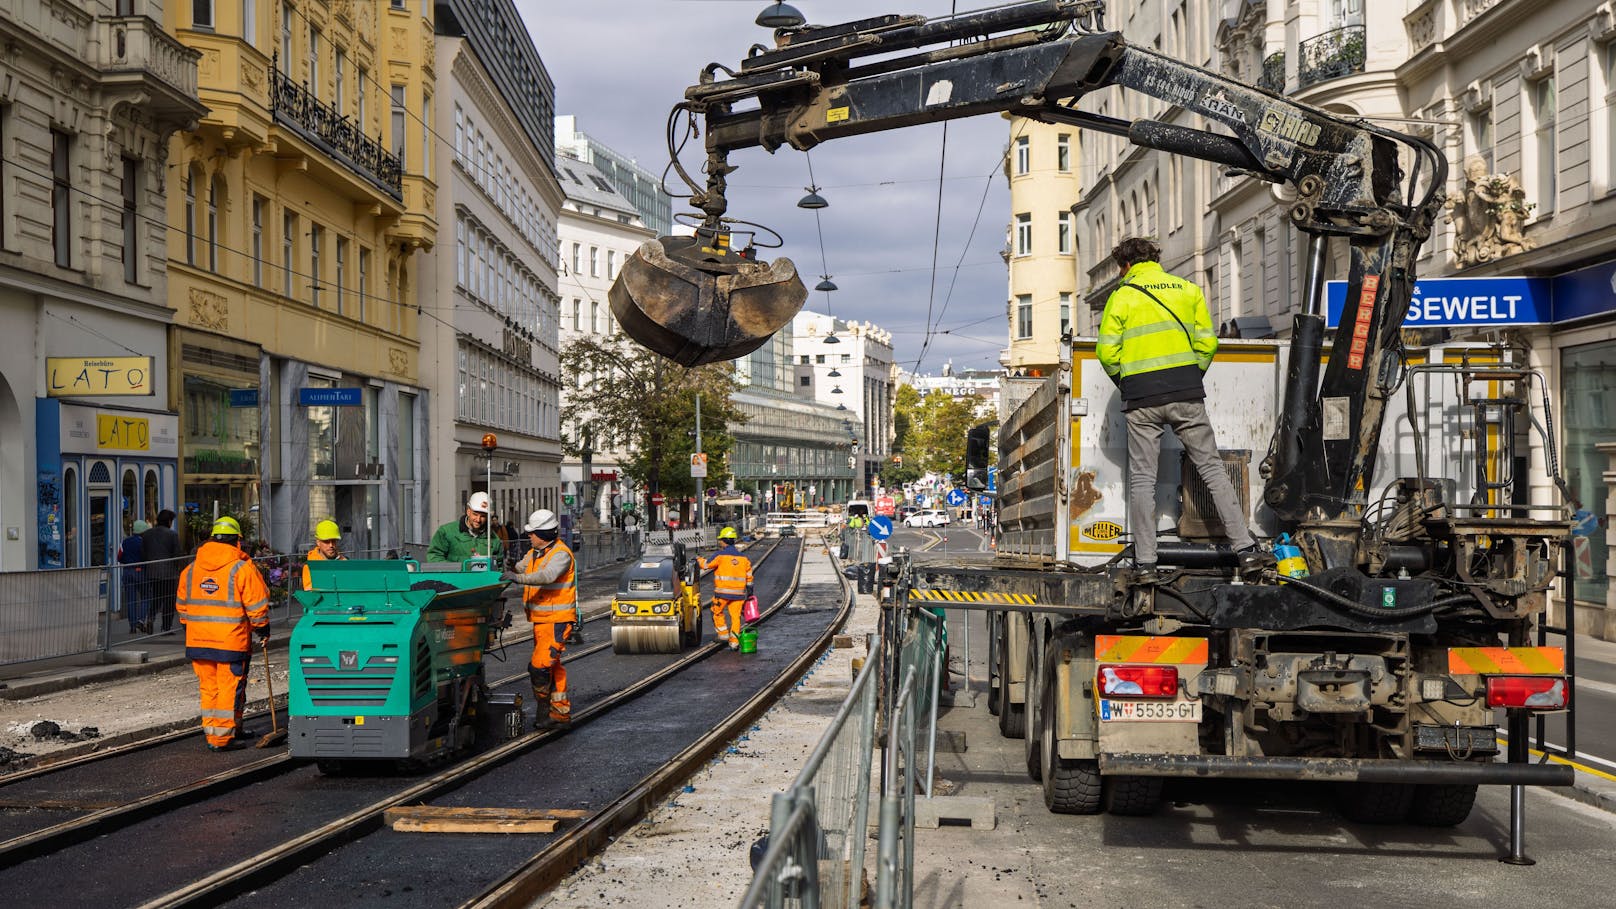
(491, 343)
(640, 187)
(599, 229)
(88, 442)
(848, 365)
(984, 384)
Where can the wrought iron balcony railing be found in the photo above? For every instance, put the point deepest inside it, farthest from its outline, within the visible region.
(1273, 73)
(297, 108)
(1336, 53)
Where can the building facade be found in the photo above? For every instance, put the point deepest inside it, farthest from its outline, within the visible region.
(489, 329)
(1041, 241)
(848, 366)
(642, 188)
(792, 452)
(88, 432)
(599, 229)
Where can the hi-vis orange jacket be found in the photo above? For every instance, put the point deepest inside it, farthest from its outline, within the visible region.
(732, 573)
(549, 584)
(221, 595)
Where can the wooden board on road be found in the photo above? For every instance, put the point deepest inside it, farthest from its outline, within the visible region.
(434, 819)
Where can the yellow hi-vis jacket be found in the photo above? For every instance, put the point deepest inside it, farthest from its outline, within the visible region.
(1156, 351)
(549, 583)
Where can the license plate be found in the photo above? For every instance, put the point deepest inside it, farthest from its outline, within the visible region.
(1151, 711)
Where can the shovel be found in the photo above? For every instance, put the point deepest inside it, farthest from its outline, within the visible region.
(276, 735)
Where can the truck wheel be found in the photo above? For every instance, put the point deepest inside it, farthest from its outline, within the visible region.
(1070, 786)
(1442, 804)
(1133, 796)
(995, 680)
(1012, 717)
(1374, 803)
(1039, 712)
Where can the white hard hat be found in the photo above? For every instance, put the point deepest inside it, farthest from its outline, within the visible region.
(543, 519)
(478, 502)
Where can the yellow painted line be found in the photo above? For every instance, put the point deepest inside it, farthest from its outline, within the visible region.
(1576, 765)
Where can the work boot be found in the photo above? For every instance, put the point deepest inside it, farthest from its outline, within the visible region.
(1145, 573)
(232, 745)
(734, 642)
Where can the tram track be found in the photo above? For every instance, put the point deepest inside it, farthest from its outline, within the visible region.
(21, 851)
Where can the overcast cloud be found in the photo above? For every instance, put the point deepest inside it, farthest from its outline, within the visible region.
(620, 66)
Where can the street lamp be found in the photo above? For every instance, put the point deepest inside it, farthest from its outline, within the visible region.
(826, 285)
(813, 201)
(780, 15)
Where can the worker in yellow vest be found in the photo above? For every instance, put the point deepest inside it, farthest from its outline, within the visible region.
(732, 584)
(549, 578)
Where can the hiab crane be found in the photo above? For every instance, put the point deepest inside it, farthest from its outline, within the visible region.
(1381, 670)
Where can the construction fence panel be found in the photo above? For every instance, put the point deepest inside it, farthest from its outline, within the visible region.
(46, 614)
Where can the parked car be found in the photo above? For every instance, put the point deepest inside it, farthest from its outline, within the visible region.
(931, 517)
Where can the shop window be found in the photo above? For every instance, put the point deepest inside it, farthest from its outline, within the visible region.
(1588, 398)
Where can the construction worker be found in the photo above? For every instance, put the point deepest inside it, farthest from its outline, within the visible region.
(468, 537)
(327, 536)
(549, 578)
(732, 584)
(221, 600)
(1156, 342)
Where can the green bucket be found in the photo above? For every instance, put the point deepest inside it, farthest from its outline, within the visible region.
(748, 641)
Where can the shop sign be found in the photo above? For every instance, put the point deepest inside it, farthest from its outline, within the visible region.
(330, 397)
(1587, 291)
(90, 430)
(67, 377)
(243, 397)
(603, 476)
(1452, 302)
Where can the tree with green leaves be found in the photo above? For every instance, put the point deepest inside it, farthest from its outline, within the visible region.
(624, 396)
(905, 406)
(937, 439)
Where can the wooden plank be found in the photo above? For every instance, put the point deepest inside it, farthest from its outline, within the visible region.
(436, 819)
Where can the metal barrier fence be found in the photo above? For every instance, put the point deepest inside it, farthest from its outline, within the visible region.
(815, 856)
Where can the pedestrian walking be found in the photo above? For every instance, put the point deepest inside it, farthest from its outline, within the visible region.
(161, 547)
(732, 584)
(131, 553)
(223, 603)
(468, 537)
(549, 578)
(1156, 343)
(327, 548)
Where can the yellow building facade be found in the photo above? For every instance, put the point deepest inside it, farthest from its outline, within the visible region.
(1042, 167)
(298, 211)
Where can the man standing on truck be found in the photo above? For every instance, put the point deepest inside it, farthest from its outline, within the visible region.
(1156, 342)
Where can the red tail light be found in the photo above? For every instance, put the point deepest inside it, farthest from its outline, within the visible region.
(1139, 681)
(1532, 692)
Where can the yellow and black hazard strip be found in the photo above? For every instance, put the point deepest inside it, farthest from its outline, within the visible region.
(969, 596)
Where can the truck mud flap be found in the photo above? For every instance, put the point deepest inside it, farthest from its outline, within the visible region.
(1338, 770)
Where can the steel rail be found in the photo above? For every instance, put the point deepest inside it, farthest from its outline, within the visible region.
(284, 858)
(96, 823)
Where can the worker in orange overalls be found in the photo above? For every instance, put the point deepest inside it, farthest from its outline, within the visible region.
(221, 599)
(327, 537)
(549, 578)
(732, 584)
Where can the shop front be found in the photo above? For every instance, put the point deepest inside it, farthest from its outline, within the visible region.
(222, 434)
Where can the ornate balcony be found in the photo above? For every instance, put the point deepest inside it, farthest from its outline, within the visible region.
(135, 54)
(1336, 53)
(1273, 73)
(296, 108)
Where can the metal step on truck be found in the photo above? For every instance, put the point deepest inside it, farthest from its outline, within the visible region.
(1382, 670)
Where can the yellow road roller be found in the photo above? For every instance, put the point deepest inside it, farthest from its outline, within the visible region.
(657, 608)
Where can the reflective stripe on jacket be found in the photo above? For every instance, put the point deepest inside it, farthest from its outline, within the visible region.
(221, 597)
(550, 590)
(732, 573)
(1156, 352)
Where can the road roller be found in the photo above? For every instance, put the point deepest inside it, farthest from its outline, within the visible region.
(387, 663)
(657, 608)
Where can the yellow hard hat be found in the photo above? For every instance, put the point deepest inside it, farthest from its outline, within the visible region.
(226, 526)
(327, 530)
(728, 533)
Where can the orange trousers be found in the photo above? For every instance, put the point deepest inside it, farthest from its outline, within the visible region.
(224, 696)
(546, 670)
(731, 610)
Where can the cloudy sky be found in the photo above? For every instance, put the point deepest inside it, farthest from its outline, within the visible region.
(620, 66)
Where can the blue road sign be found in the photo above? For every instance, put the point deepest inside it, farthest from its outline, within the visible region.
(1464, 301)
(956, 497)
(880, 527)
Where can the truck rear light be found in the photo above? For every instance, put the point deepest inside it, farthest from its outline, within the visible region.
(1139, 681)
(1531, 692)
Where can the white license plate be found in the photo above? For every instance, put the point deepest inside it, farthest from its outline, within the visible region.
(1151, 711)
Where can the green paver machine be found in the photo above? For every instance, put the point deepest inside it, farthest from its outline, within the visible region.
(387, 663)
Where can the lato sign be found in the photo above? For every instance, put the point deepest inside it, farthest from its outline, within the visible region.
(122, 433)
(67, 377)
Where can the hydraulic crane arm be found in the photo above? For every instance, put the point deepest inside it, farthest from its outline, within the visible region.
(697, 300)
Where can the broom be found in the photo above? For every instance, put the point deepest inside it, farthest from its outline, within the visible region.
(276, 735)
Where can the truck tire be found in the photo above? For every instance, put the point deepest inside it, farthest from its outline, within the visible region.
(1133, 796)
(1070, 786)
(1012, 717)
(1441, 804)
(1038, 713)
(1374, 803)
(995, 680)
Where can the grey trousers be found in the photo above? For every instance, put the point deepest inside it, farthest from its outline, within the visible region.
(1188, 421)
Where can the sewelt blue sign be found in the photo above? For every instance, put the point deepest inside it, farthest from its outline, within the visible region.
(1589, 291)
(880, 527)
(243, 397)
(1444, 302)
(330, 397)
